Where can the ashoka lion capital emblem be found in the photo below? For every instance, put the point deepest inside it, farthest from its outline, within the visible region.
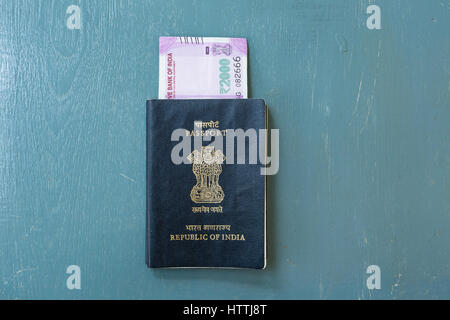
(207, 167)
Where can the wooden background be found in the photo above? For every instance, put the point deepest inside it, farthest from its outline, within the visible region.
(364, 173)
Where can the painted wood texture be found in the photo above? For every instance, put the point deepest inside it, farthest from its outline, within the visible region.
(364, 145)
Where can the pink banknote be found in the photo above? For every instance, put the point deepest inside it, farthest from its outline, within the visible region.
(202, 68)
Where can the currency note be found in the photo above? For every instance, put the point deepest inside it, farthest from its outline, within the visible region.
(202, 68)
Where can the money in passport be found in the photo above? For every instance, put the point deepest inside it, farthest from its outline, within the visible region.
(202, 68)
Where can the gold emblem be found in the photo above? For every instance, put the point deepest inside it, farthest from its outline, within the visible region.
(207, 167)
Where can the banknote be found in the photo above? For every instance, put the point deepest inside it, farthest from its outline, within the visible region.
(202, 68)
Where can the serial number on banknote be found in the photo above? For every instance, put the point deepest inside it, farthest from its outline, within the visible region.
(225, 79)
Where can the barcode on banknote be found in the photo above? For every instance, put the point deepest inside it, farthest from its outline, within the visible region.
(191, 40)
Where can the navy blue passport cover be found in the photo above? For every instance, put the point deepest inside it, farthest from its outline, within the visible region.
(176, 202)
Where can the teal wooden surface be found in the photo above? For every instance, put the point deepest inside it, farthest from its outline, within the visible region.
(364, 145)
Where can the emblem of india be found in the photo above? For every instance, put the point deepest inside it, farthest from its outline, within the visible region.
(207, 167)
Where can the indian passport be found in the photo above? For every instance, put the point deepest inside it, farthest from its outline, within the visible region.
(206, 188)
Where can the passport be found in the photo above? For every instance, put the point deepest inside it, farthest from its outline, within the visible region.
(205, 193)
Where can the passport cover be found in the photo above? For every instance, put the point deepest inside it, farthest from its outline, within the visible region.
(204, 212)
